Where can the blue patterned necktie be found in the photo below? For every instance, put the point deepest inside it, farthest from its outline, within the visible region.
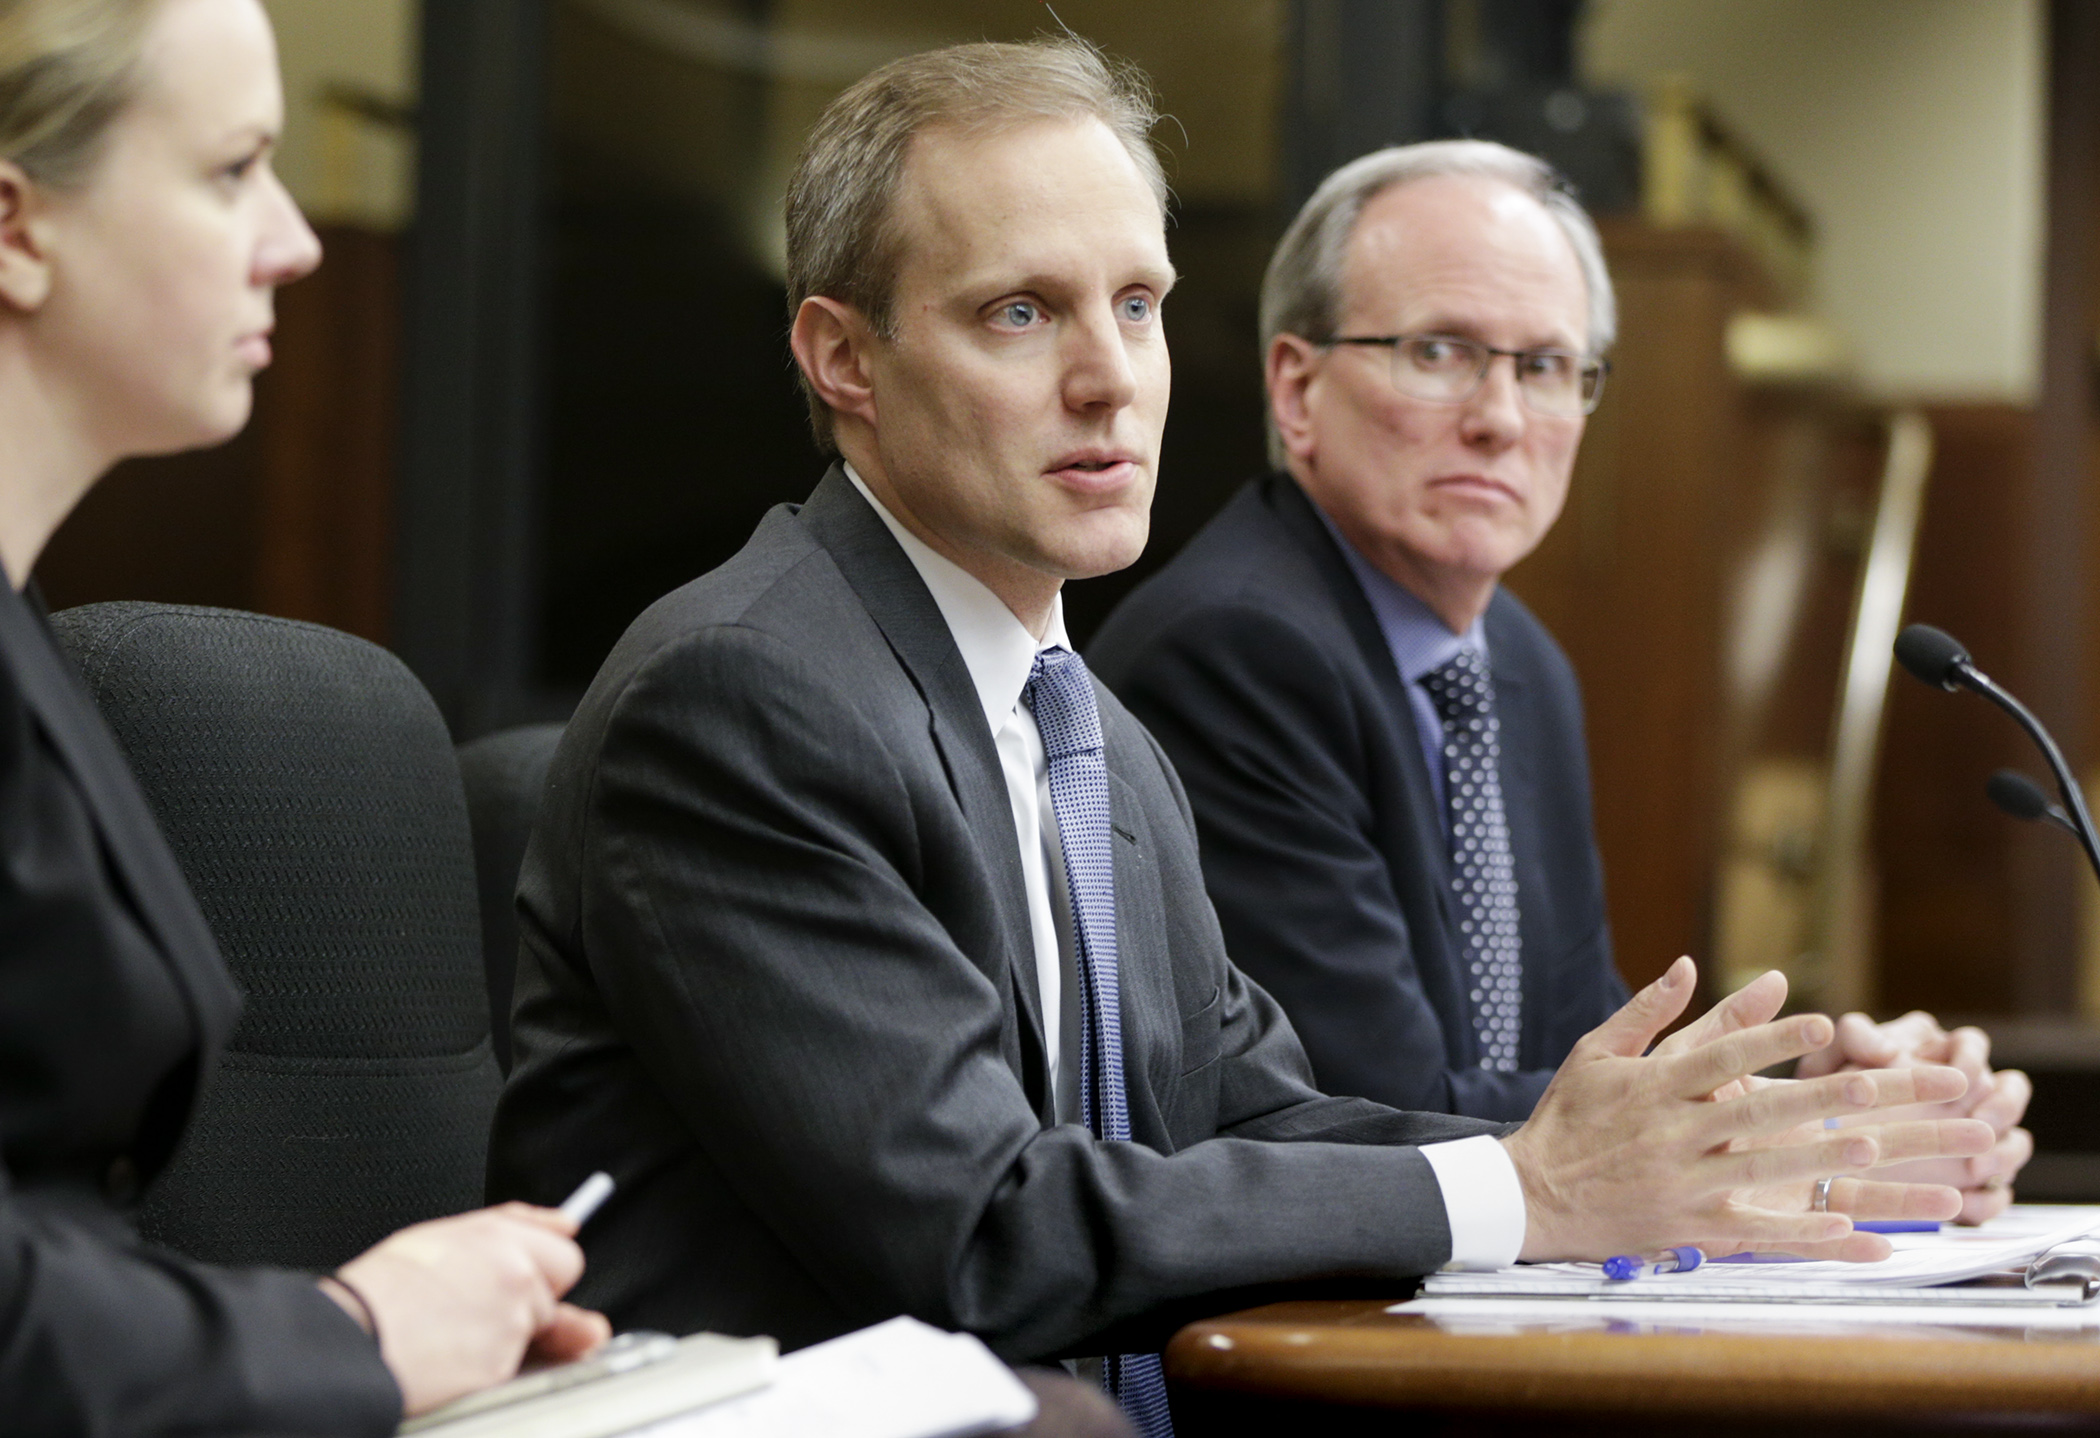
(1483, 875)
(1061, 697)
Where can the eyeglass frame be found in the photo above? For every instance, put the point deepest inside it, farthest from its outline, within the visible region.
(1489, 353)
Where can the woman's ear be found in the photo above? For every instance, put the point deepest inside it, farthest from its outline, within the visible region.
(830, 340)
(25, 267)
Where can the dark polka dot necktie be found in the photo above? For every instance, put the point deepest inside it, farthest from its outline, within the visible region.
(1483, 876)
(1061, 697)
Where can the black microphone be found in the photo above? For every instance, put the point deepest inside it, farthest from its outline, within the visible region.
(1937, 658)
(1931, 654)
(2022, 798)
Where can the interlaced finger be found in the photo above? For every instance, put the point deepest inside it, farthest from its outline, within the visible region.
(1853, 1247)
(2006, 1102)
(1843, 1151)
(1872, 1198)
(1630, 1031)
(1969, 1049)
(1910, 1139)
(2004, 1159)
(1741, 1228)
(1752, 1004)
(1777, 1107)
(1704, 1069)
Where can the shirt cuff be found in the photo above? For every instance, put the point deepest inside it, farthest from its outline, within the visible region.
(1482, 1198)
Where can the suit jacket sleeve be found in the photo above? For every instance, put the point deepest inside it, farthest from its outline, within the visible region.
(765, 928)
(100, 1332)
(103, 1334)
(1272, 745)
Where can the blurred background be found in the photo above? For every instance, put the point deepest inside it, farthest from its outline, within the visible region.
(542, 378)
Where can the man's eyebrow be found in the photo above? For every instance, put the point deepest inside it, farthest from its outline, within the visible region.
(993, 287)
(1468, 330)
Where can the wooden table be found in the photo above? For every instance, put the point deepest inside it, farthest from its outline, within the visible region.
(1350, 1365)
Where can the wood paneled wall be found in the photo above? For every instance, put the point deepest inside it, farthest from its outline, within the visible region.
(1631, 579)
(295, 516)
(1950, 863)
(1636, 580)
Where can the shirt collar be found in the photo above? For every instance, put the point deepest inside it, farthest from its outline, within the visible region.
(997, 648)
(1421, 642)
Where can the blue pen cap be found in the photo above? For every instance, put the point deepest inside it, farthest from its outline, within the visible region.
(1676, 1260)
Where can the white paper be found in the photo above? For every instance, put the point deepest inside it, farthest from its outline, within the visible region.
(1920, 1260)
(900, 1379)
(1527, 1315)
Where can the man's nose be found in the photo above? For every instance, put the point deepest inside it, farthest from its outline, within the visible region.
(1098, 372)
(1494, 416)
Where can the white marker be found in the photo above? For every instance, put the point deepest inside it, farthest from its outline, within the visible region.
(589, 1195)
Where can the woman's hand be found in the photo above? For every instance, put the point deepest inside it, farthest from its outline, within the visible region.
(459, 1302)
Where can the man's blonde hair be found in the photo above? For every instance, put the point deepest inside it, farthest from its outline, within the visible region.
(842, 241)
(67, 68)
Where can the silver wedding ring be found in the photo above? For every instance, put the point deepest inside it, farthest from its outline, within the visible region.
(1821, 1203)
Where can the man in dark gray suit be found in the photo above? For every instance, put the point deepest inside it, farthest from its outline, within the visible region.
(1433, 925)
(865, 939)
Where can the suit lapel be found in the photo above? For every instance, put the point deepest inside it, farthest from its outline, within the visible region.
(1310, 535)
(129, 833)
(1435, 944)
(897, 600)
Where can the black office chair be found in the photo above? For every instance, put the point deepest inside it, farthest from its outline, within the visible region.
(308, 787)
(505, 773)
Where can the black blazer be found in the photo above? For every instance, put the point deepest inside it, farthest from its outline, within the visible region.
(1257, 661)
(113, 1007)
(777, 977)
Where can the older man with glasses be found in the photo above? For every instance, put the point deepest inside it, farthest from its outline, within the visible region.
(1383, 748)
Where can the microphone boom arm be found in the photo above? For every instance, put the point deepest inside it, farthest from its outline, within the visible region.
(1969, 676)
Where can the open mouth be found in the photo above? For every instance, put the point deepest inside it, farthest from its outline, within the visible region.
(1094, 473)
(1090, 462)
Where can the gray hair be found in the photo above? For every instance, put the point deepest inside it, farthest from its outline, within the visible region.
(1302, 292)
(841, 241)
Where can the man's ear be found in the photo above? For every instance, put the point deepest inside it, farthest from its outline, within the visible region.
(25, 268)
(831, 340)
(1292, 364)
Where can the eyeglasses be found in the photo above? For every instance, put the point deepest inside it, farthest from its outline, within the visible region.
(1444, 369)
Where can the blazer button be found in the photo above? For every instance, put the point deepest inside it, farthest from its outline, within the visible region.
(120, 1182)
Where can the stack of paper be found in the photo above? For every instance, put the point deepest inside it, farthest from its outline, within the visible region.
(1922, 1281)
(633, 1380)
(900, 1379)
(1921, 1261)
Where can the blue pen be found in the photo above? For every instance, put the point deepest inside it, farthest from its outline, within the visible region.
(1865, 1225)
(1677, 1260)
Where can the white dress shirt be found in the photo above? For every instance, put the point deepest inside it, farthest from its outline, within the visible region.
(1482, 1198)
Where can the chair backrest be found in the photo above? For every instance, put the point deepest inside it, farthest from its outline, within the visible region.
(505, 774)
(308, 788)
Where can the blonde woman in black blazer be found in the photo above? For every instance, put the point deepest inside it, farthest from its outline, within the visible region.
(142, 234)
